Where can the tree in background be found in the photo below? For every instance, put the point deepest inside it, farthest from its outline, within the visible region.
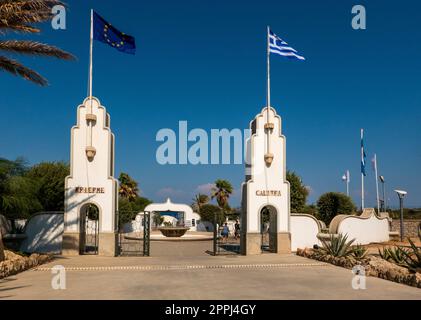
(129, 188)
(331, 204)
(21, 15)
(129, 202)
(198, 201)
(127, 210)
(210, 212)
(221, 192)
(50, 178)
(18, 193)
(298, 192)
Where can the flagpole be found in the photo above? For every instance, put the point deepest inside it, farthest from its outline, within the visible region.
(91, 50)
(268, 88)
(347, 182)
(377, 184)
(362, 173)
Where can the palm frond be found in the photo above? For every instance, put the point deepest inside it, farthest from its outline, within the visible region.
(34, 48)
(17, 15)
(16, 68)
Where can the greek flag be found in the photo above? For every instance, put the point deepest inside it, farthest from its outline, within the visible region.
(280, 47)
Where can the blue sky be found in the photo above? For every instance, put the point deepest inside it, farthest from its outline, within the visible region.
(204, 62)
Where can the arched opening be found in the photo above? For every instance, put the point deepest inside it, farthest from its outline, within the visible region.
(268, 228)
(89, 229)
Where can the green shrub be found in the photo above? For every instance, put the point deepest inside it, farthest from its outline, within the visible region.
(331, 204)
(210, 212)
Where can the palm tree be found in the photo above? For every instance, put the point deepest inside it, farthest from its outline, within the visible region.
(20, 16)
(222, 191)
(128, 187)
(198, 201)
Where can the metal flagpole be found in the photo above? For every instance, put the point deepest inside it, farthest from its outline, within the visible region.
(362, 173)
(377, 183)
(268, 88)
(91, 49)
(347, 182)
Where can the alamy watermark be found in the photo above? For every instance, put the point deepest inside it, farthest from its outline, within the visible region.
(359, 20)
(198, 147)
(359, 279)
(58, 22)
(58, 282)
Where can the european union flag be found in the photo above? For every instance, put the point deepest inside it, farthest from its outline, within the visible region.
(105, 32)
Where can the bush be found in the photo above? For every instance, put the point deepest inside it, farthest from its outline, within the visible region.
(209, 212)
(298, 192)
(127, 210)
(49, 177)
(331, 204)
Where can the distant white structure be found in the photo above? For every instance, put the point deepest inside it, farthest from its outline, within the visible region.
(91, 181)
(175, 213)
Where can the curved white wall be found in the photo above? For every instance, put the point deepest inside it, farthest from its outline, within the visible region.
(44, 233)
(365, 230)
(304, 231)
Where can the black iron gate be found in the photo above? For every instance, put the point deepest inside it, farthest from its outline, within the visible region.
(225, 242)
(90, 230)
(136, 242)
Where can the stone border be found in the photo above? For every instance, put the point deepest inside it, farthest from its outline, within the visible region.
(15, 263)
(374, 267)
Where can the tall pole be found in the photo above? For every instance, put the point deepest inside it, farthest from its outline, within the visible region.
(377, 184)
(91, 50)
(268, 87)
(401, 207)
(347, 182)
(362, 173)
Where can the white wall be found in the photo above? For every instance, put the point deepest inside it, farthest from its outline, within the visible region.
(304, 231)
(365, 230)
(44, 233)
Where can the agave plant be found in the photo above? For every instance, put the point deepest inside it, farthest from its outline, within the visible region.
(21, 16)
(359, 252)
(413, 257)
(395, 255)
(337, 246)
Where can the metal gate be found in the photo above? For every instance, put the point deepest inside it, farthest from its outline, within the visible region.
(90, 231)
(136, 242)
(223, 243)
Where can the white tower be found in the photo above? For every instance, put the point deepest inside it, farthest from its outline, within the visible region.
(91, 183)
(266, 188)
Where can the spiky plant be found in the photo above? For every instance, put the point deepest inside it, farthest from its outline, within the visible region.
(395, 255)
(413, 257)
(359, 252)
(22, 16)
(336, 246)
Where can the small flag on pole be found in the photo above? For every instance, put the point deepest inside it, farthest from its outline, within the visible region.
(363, 155)
(106, 33)
(280, 47)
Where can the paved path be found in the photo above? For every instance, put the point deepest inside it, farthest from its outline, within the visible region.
(198, 277)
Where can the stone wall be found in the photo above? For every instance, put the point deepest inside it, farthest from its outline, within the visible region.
(410, 227)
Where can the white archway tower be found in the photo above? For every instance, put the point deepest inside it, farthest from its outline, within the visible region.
(91, 179)
(265, 184)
